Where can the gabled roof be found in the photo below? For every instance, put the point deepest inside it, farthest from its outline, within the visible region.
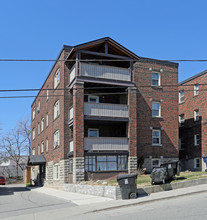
(193, 77)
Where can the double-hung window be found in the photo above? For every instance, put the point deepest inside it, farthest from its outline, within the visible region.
(47, 119)
(42, 124)
(56, 171)
(196, 139)
(42, 146)
(38, 128)
(33, 113)
(196, 163)
(196, 89)
(156, 137)
(156, 112)
(33, 151)
(46, 144)
(56, 138)
(56, 78)
(181, 144)
(33, 133)
(181, 96)
(155, 79)
(57, 109)
(196, 115)
(155, 163)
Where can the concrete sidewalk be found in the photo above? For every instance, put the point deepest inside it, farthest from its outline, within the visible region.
(96, 203)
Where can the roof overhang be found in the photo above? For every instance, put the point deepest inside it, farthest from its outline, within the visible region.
(36, 160)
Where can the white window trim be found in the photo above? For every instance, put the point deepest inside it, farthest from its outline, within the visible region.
(154, 160)
(93, 129)
(33, 133)
(159, 110)
(42, 124)
(46, 143)
(33, 113)
(38, 128)
(195, 139)
(183, 96)
(47, 93)
(56, 140)
(196, 117)
(56, 109)
(159, 78)
(47, 119)
(160, 142)
(42, 146)
(197, 158)
(196, 89)
(33, 151)
(56, 80)
(94, 97)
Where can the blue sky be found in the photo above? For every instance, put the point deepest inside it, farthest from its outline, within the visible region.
(38, 29)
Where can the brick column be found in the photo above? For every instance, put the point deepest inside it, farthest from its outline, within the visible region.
(132, 129)
(78, 132)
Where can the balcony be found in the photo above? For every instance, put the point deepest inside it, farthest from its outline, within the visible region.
(102, 72)
(106, 143)
(107, 110)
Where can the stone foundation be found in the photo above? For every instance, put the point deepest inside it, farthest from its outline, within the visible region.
(132, 164)
(78, 169)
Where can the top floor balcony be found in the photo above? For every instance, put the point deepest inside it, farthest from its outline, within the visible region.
(101, 72)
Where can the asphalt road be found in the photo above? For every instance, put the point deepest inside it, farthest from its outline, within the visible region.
(188, 207)
(16, 200)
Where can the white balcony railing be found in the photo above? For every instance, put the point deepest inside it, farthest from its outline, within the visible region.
(106, 72)
(106, 143)
(108, 110)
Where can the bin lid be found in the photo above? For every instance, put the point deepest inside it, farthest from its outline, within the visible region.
(125, 176)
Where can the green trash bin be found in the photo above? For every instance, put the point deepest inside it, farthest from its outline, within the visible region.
(128, 186)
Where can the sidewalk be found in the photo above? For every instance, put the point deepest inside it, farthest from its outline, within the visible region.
(96, 203)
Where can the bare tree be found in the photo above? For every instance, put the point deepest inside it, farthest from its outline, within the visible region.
(16, 143)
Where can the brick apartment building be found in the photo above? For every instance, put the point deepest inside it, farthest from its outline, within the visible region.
(192, 121)
(100, 109)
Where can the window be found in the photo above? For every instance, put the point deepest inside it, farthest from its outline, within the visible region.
(33, 151)
(196, 89)
(47, 120)
(155, 163)
(57, 138)
(56, 109)
(42, 147)
(92, 132)
(57, 78)
(156, 109)
(196, 115)
(38, 149)
(181, 144)
(33, 113)
(56, 171)
(38, 107)
(33, 133)
(181, 120)
(47, 94)
(155, 79)
(196, 139)
(156, 137)
(71, 165)
(38, 128)
(46, 144)
(94, 99)
(42, 124)
(181, 96)
(104, 163)
(196, 162)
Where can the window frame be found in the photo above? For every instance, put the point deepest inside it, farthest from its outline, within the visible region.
(46, 145)
(47, 119)
(56, 109)
(93, 129)
(181, 122)
(38, 128)
(154, 79)
(181, 96)
(33, 151)
(42, 124)
(57, 78)
(159, 110)
(181, 143)
(33, 133)
(93, 97)
(196, 140)
(56, 171)
(33, 113)
(159, 138)
(196, 89)
(56, 138)
(42, 147)
(196, 115)
(195, 163)
(155, 159)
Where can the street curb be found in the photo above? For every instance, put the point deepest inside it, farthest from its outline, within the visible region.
(144, 202)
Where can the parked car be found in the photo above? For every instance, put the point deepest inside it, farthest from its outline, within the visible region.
(2, 180)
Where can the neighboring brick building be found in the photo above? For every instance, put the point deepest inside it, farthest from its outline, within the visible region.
(100, 109)
(192, 120)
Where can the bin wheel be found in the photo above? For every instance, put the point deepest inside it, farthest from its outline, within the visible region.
(132, 195)
(152, 183)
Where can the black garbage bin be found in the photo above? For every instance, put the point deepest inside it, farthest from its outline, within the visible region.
(172, 169)
(128, 186)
